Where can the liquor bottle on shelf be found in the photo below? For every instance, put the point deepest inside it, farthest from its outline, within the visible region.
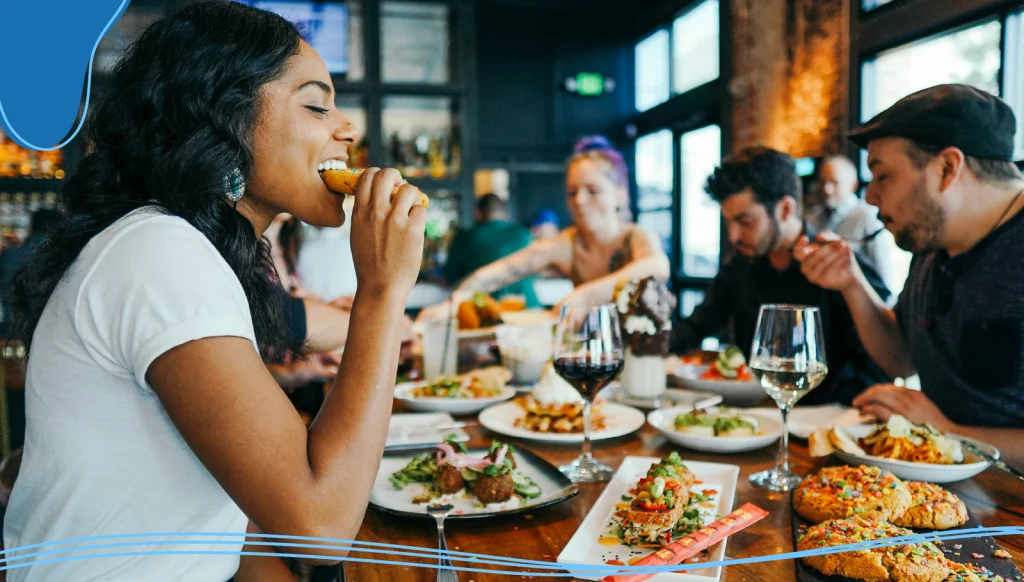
(5, 214)
(435, 160)
(50, 200)
(20, 218)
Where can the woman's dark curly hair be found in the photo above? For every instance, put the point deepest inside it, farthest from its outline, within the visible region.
(176, 118)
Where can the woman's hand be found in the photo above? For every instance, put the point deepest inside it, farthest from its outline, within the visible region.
(387, 236)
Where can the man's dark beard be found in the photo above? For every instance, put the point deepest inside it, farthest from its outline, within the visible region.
(763, 250)
(923, 233)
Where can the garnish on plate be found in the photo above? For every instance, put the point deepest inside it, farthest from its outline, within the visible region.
(450, 470)
(717, 423)
(729, 365)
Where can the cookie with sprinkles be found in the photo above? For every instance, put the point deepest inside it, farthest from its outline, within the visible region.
(970, 573)
(914, 562)
(931, 507)
(840, 492)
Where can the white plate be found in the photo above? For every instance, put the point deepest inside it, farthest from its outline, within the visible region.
(619, 421)
(804, 420)
(921, 471)
(411, 431)
(449, 405)
(663, 420)
(672, 397)
(555, 487)
(584, 549)
(742, 393)
(527, 317)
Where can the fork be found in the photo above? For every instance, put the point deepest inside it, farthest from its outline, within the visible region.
(439, 513)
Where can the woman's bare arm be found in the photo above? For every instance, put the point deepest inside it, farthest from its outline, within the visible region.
(244, 430)
(533, 259)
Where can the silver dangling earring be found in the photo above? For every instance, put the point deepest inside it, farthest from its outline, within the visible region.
(234, 185)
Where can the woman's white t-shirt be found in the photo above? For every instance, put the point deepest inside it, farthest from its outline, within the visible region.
(101, 456)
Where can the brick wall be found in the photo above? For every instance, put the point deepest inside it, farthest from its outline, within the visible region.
(790, 63)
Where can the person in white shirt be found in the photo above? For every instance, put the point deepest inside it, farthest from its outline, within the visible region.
(325, 263)
(151, 310)
(842, 212)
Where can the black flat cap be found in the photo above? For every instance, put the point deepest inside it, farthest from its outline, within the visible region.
(977, 123)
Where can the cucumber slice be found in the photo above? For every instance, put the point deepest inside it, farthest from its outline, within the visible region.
(528, 491)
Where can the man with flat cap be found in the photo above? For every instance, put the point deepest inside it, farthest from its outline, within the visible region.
(946, 187)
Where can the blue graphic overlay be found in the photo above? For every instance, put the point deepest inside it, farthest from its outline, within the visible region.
(520, 567)
(42, 88)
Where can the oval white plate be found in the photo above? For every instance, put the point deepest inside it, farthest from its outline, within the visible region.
(804, 420)
(449, 405)
(619, 421)
(528, 317)
(664, 419)
(921, 471)
(742, 393)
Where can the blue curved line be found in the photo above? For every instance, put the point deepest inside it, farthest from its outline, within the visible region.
(425, 553)
(244, 536)
(88, 89)
(589, 569)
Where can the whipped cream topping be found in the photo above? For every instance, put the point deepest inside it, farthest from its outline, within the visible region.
(552, 389)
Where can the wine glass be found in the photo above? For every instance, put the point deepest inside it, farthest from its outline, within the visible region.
(589, 356)
(788, 359)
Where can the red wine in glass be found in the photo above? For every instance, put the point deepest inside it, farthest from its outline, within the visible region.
(588, 375)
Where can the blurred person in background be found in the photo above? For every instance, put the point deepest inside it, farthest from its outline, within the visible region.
(325, 262)
(760, 195)
(597, 252)
(545, 224)
(842, 212)
(493, 237)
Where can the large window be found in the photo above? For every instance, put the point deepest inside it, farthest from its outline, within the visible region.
(654, 175)
(971, 56)
(695, 47)
(1013, 74)
(415, 43)
(867, 5)
(700, 153)
(652, 70)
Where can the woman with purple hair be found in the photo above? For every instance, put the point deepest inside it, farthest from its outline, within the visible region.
(598, 251)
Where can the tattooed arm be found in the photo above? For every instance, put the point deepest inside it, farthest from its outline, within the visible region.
(649, 260)
(537, 257)
(515, 267)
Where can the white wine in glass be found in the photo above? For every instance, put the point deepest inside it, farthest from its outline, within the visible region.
(788, 359)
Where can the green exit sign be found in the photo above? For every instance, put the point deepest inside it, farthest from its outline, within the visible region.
(589, 84)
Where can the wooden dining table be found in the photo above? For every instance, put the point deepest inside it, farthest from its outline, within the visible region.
(992, 497)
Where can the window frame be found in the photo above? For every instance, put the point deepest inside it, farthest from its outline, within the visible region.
(707, 104)
(902, 22)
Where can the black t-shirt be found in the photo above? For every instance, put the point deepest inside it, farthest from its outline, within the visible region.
(294, 317)
(963, 318)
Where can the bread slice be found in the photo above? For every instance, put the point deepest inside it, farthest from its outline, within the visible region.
(844, 442)
(344, 182)
(819, 443)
